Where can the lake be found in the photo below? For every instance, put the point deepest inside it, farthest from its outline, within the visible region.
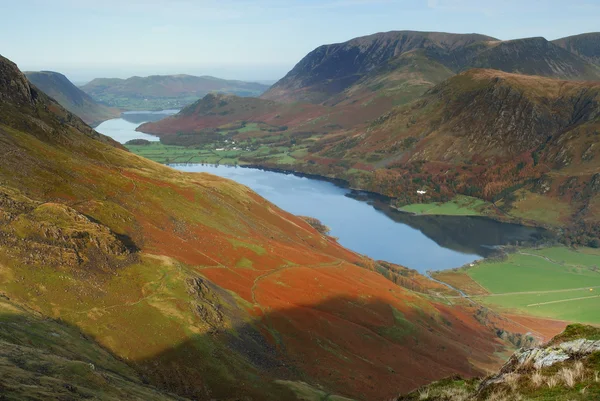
(365, 222)
(123, 129)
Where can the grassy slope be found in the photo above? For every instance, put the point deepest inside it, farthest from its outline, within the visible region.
(44, 359)
(459, 206)
(195, 281)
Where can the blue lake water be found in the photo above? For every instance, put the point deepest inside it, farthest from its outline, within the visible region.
(363, 222)
(123, 129)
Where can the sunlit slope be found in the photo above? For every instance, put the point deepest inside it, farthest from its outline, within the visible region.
(203, 287)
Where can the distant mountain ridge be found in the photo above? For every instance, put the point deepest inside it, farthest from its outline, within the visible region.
(586, 46)
(332, 69)
(164, 91)
(72, 98)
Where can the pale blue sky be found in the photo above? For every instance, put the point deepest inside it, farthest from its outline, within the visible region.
(258, 40)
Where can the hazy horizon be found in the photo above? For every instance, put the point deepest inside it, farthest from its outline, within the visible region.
(251, 41)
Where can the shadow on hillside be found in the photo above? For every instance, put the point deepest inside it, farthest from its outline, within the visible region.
(366, 350)
(353, 347)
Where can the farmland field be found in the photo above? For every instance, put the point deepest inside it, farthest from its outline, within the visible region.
(180, 154)
(459, 206)
(559, 283)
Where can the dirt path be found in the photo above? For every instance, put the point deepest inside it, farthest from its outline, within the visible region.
(563, 300)
(529, 292)
(277, 270)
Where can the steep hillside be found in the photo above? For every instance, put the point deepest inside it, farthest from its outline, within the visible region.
(531, 56)
(488, 134)
(586, 46)
(209, 120)
(564, 369)
(164, 91)
(71, 98)
(331, 69)
(45, 359)
(199, 285)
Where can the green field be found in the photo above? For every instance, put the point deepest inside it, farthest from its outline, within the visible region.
(558, 283)
(208, 154)
(459, 206)
(180, 154)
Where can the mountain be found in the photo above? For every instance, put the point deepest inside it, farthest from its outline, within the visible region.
(586, 46)
(122, 275)
(72, 98)
(333, 69)
(164, 91)
(564, 369)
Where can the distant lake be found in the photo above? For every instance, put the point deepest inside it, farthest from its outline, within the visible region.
(362, 222)
(123, 129)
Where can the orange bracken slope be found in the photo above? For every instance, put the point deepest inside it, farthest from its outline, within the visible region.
(205, 288)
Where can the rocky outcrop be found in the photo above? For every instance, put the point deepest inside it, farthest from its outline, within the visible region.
(543, 357)
(14, 86)
(57, 235)
(207, 303)
(564, 366)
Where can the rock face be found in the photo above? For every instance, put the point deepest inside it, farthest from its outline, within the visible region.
(532, 56)
(541, 357)
(14, 86)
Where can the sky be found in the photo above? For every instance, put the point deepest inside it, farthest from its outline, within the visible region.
(248, 39)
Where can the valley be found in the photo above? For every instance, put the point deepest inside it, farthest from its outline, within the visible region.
(489, 108)
(240, 297)
(404, 215)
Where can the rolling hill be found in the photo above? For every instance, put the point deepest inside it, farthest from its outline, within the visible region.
(134, 278)
(72, 98)
(164, 91)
